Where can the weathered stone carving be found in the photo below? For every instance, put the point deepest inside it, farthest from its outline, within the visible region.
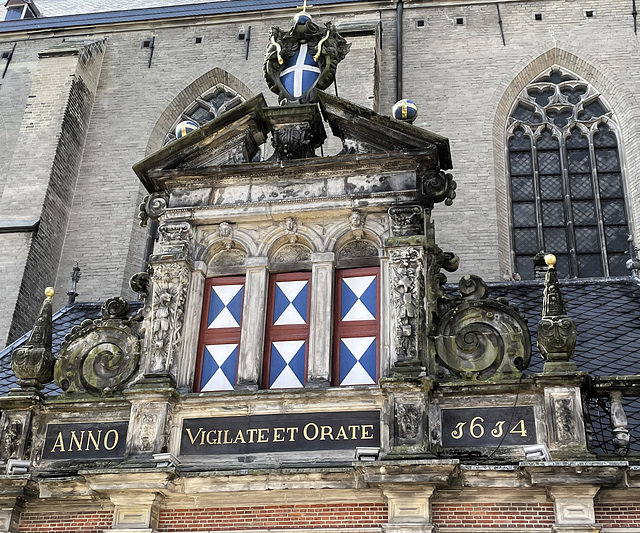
(292, 253)
(406, 297)
(225, 230)
(480, 338)
(618, 423)
(294, 141)
(11, 436)
(234, 257)
(438, 186)
(406, 220)
(99, 357)
(356, 223)
(290, 225)
(556, 331)
(152, 207)
(170, 286)
(325, 48)
(408, 423)
(357, 249)
(33, 363)
(175, 237)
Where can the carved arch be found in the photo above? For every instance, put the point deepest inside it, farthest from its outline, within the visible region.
(279, 236)
(209, 80)
(619, 98)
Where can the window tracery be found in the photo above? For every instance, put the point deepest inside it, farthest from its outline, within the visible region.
(565, 176)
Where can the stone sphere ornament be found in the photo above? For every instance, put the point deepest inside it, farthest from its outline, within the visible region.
(185, 127)
(405, 110)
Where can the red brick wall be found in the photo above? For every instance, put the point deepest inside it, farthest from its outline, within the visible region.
(80, 522)
(492, 514)
(618, 514)
(353, 515)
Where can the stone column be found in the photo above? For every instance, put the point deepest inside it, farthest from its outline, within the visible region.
(574, 510)
(254, 311)
(321, 320)
(40, 182)
(409, 509)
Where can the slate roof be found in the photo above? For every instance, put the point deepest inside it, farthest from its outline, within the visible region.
(74, 13)
(606, 311)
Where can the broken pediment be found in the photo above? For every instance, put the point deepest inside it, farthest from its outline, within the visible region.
(228, 145)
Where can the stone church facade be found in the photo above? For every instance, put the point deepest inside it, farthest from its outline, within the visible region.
(297, 361)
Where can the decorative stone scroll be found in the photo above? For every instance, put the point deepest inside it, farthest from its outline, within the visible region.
(100, 357)
(479, 338)
(152, 207)
(407, 293)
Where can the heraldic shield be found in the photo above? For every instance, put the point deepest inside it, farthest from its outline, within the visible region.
(303, 59)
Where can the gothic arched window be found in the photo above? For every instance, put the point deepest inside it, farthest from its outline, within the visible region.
(565, 179)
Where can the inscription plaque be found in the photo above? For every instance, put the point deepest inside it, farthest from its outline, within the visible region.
(488, 426)
(280, 433)
(82, 441)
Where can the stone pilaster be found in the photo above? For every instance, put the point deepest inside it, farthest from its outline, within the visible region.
(573, 508)
(253, 323)
(319, 360)
(149, 420)
(565, 422)
(135, 513)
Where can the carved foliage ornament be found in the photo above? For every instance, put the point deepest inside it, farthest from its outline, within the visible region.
(99, 357)
(480, 338)
(406, 297)
(170, 286)
(406, 220)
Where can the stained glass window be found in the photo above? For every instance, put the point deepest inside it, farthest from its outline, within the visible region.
(565, 179)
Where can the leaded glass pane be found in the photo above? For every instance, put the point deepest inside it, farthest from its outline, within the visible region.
(587, 240)
(589, 266)
(579, 161)
(546, 141)
(201, 115)
(560, 117)
(577, 140)
(617, 264)
(524, 266)
(541, 96)
(555, 240)
(519, 141)
(526, 241)
(520, 163)
(607, 160)
(524, 215)
(613, 212)
(581, 186)
(574, 95)
(562, 265)
(592, 110)
(610, 185)
(522, 189)
(526, 113)
(549, 163)
(605, 138)
(551, 188)
(584, 213)
(553, 214)
(616, 237)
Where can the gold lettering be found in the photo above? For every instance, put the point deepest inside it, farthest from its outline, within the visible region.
(365, 434)
(261, 437)
(292, 433)
(252, 434)
(59, 443)
(277, 436)
(326, 431)
(304, 431)
(457, 433)
(191, 437)
(239, 437)
(73, 438)
(353, 432)
(342, 434)
(226, 437)
(210, 440)
(115, 439)
(497, 430)
(96, 442)
(522, 430)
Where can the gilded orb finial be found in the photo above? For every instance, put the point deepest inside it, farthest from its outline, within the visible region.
(49, 292)
(550, 259)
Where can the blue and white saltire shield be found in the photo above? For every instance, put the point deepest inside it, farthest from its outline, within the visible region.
(300, 72)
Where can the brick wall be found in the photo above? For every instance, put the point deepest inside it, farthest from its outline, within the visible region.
(484, 515)
(351, 515)
(616, 515)
(78, 522)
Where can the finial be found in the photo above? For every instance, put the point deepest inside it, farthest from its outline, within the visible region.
(303, 11)
(556, 331)
(75, 278)
(33, 363)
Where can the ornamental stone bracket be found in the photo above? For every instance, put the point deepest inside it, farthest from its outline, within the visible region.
(574, 510)
(409, 509)
(138, 512)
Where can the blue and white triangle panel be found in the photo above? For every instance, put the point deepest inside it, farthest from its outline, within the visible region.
(290, 303)
(288, 363)
(219, 365)
(358, 298)
(225, 306)
(358, 361)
